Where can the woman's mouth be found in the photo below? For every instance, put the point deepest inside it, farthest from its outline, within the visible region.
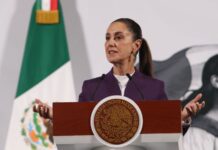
(112, 51)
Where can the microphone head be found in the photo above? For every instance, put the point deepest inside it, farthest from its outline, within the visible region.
(129, 76)
(103, 76)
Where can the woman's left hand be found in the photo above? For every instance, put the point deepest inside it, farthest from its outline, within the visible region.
(192, 107)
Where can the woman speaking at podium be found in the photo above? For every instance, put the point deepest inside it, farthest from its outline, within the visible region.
(123, 43)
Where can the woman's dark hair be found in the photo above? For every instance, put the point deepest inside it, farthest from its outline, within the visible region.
(145, 59)
(210, 69)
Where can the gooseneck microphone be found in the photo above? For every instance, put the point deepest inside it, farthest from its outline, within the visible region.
(139, 91)
(97, 86)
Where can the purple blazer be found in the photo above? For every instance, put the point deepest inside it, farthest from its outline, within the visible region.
(140, 87)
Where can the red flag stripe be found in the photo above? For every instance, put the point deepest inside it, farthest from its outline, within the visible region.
(54, 4)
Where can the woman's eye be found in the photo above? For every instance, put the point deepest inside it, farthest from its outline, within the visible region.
(107, 38)
(118, 37)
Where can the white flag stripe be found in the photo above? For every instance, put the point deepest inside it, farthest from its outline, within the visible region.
(58, 86)
(50, 87)
(46, 5)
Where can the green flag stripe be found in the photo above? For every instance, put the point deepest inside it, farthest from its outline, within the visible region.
(38, 4)
(45, 51)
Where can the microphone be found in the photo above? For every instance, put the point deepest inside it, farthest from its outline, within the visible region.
(139, 91)
(99, 83)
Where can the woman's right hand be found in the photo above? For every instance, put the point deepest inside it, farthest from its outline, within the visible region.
(43, 109)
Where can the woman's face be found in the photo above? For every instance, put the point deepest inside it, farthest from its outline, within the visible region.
(119, 44)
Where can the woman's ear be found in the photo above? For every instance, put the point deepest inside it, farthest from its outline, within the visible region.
(136, 45)
(214, 81)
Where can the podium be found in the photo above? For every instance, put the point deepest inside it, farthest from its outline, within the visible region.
(161, 126)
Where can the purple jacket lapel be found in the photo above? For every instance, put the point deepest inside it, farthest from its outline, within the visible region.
(133, 87)
(112, 84)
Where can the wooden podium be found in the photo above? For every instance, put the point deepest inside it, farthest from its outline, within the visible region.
(161, 127)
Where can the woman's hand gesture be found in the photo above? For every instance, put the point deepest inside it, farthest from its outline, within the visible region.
(43, 109)
(192, 107)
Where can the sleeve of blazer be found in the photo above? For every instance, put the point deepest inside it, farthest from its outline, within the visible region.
(185, 125)
(83, 94)
(185, 128)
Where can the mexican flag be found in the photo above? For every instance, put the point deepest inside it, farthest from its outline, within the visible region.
(46, 74)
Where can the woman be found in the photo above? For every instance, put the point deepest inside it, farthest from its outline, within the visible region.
(123, 43)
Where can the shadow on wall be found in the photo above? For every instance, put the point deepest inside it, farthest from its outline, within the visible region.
(172, 71)
(76, 42)
(11, 62)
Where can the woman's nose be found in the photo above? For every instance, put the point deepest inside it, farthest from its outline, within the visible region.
(111, 42)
